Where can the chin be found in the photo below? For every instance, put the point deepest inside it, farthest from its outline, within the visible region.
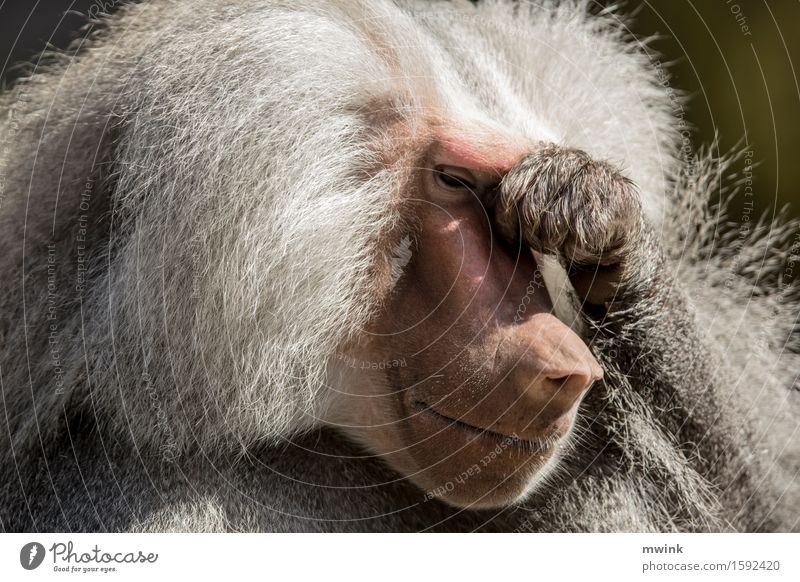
(473, 468)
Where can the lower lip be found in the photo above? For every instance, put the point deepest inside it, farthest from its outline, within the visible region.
(482, 434)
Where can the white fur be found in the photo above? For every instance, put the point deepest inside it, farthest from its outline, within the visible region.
(245, 160)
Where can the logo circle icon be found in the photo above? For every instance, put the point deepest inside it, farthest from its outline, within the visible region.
(31, 555)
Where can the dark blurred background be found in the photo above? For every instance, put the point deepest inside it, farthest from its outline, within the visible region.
(734, 58)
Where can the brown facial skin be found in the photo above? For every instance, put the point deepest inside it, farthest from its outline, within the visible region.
(490, 380)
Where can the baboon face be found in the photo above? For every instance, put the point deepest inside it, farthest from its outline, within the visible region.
(467, 383)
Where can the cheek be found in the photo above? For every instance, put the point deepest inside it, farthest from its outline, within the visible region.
(460, 284)
(462, 355)
(437, 327)
(450, 263)
(458, 259)
(366, 406)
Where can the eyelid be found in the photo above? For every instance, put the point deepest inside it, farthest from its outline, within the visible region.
(465, 177)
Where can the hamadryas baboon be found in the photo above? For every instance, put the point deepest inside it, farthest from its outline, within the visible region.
(345, 265)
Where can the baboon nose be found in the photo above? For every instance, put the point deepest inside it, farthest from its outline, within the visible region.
(563, 367)
(569, 386)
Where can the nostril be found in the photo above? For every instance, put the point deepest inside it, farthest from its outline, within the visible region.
(574, 383)
(581, 384)
(587, 374)
(573, 365)
(558, 364)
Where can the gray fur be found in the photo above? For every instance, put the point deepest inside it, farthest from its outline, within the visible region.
(557, 186)
(189, 217)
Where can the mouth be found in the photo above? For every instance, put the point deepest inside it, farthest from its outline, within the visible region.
(486, 436)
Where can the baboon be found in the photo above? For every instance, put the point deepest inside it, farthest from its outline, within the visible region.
(381, 266)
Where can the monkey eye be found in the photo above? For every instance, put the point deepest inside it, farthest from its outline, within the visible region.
(454, 179)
